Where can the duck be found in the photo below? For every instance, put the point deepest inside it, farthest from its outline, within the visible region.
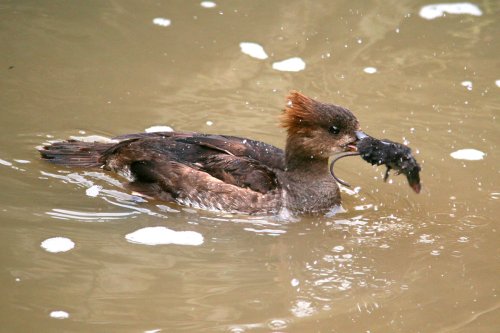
(228, 173)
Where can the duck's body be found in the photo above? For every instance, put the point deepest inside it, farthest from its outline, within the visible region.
(228, 173)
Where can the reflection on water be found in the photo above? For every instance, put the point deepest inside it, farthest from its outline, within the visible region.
(388, 261)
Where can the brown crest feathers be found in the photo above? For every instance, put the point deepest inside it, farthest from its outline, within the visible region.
(299, 110)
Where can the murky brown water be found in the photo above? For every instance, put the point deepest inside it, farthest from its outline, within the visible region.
(393, 262)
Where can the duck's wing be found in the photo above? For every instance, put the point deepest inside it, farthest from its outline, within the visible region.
(262, 152)
(226, 159)
(177, 182)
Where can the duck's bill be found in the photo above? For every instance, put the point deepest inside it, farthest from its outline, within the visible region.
(359, 136)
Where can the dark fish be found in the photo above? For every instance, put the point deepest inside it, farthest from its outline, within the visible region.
(393, 155)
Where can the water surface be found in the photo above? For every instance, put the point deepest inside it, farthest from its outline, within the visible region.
(394, 261)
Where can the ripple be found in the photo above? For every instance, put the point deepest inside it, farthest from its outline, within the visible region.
(88, 217)
(302, 308)
(277, 324)
(270, 232)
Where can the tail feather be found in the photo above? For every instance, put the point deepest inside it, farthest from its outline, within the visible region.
(75, 153)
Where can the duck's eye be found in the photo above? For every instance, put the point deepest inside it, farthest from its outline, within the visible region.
(334, 130)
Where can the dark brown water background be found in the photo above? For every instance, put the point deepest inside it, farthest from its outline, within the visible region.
(394, 261)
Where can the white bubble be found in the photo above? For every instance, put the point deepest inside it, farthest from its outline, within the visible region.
(208, 4)
(497, 82)
(59, 314)
(162, 235)
(467, 84)
(468, 154)
(57, 244)
(434, 11)
(294, 64)
(254, 50)
(209, 123)
(370, 70)
(295, 282)
(163, 22)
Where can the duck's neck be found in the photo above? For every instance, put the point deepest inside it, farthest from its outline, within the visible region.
(308, 184)
(306, 165)
(299, 160)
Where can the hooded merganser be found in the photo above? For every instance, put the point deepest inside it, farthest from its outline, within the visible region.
(228, 173)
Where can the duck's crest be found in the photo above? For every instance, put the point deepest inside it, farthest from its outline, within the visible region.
(299, 110)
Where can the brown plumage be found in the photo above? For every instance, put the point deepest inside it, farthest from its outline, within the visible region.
(228, 173)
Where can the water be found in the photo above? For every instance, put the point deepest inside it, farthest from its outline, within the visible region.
(394, 261)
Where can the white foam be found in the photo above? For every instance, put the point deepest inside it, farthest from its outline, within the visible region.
(467, 84)
(22, 161)
(159, 128)
(370, 70)
(431, 12)
(163, 22)
(208, 4)
(162, 235)
(294, 64)
(497, 82)
(57, 244)
(254, 50)
(468, 154)
(58, 314)
(93, 191)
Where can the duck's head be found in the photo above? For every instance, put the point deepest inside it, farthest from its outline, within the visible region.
(317, 130)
